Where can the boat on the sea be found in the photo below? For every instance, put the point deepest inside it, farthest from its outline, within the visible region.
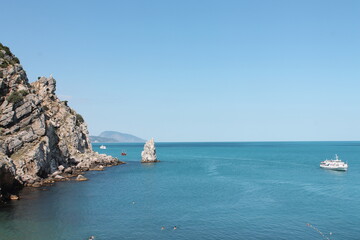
(334, 164)
(123, 153)
(102, 147)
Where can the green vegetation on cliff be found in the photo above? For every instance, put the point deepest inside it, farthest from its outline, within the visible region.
(79, 119)
(9, 61)
(15, 97)
(5, 48)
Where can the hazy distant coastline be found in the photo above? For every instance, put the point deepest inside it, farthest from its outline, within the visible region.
(115, 137)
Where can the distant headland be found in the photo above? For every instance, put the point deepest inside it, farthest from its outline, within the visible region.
(115, 137)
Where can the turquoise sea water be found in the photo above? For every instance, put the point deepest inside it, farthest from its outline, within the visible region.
(208, 190)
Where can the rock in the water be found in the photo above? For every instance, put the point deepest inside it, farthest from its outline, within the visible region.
(149, 153)
(56, 173)
(81, 178)
(37, 184)
(59, 178)
(14, 197)
(97, 168)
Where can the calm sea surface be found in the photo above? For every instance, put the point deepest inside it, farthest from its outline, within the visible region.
(246, 191)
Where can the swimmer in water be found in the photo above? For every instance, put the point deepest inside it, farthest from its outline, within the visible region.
(162, 228)
(175, 227)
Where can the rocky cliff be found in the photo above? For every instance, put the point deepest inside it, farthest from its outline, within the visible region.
(40, 136)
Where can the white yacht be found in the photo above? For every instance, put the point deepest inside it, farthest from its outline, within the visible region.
(334, 164)
(102, 147)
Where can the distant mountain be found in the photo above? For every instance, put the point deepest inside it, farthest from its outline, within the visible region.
(115, 137)
(97, 139)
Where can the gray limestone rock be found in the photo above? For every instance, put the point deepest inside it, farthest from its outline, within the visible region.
(23, 110)
(81, 178)
(61, 168)
(29, 136)
(8, 180)
(149, 153)
(6, 118)
(56, 173)
(14, 144)
(39, 134)
(58, 177)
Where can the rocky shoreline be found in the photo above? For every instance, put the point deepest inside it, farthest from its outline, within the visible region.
(69, 174)
(13, 190)
(42, 139)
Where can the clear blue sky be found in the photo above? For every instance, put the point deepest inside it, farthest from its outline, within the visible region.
(198, 70)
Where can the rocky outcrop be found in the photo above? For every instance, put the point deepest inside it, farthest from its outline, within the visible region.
(81, 178)
(149, 153)
(38, 132)
(8, 182)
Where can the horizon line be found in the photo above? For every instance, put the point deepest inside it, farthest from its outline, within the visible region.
(241, 141)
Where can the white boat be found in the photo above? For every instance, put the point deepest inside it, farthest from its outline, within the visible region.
(334, 164)
(102, 147)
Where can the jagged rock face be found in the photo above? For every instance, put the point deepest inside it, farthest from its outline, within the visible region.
(149, 153)
(38, 132)
(8, 182)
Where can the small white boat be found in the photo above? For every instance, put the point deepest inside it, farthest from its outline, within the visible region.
(334, 164)
(102, 147)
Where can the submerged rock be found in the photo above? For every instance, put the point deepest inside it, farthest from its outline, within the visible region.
(149, 153)
(14, 197)
(81, 178)
(37, 184)
(97, 168)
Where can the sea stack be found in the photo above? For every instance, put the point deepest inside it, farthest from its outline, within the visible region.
(149, 153)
